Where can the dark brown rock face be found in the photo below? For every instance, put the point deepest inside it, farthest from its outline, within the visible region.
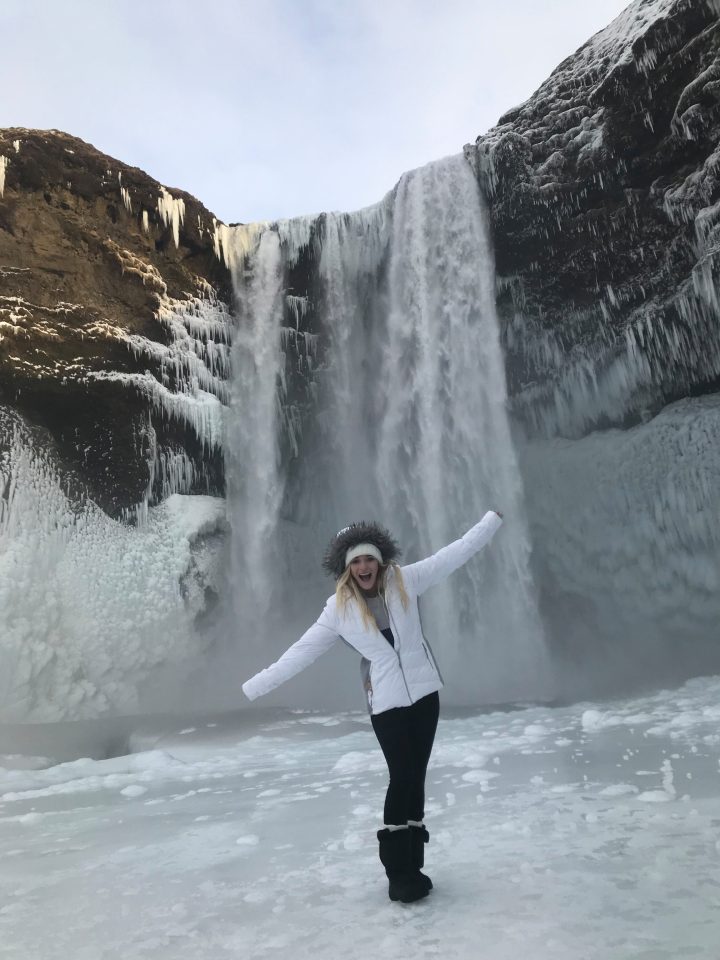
(110, 294)
(604, 193)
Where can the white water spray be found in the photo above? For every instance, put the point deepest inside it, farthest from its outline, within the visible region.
(444, 448)
(255, 485)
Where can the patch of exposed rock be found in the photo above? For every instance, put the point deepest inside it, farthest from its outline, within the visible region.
(114, 321)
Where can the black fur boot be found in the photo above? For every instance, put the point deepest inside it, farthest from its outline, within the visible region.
(418, 838)
(405, 884)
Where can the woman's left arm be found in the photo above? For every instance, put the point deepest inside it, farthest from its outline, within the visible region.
(314, 642)
(426, 573)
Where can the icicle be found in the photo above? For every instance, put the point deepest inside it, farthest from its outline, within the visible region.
(298, 308)
(3, 167)
(172, 211)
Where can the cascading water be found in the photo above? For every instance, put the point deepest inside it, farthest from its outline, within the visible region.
(445, 452)
(408, 423)
(254, 479)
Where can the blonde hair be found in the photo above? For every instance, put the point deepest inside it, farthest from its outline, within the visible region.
(347, 590)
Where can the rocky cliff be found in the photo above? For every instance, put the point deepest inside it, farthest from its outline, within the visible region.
(114, 316)
(605, 203)
(115, 324)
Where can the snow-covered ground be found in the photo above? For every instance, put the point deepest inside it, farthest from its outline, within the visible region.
(566, 833)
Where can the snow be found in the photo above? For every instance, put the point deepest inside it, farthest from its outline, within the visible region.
(254, 836)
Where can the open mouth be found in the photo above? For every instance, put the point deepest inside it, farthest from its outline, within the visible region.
(365, 578)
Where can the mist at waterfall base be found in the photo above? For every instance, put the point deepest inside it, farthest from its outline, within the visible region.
(372, 387)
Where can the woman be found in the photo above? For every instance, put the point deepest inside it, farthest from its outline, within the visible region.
(375, 610)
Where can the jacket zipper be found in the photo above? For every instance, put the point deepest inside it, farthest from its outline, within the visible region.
(397, 648)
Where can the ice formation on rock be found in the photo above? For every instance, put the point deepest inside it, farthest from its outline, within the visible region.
(3, 167)
(172, 212)
(193, 365)
(90, 606)
(604, 195)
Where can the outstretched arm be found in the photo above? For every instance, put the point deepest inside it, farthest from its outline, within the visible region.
(314, 642)
(426, 573)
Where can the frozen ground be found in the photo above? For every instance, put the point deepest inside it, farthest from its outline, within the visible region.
(570, 833)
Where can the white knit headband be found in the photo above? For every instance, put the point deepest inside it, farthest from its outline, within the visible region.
(363, 550)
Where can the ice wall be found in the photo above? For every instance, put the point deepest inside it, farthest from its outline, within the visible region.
(626, 533)
(94, 610)
(90, 607)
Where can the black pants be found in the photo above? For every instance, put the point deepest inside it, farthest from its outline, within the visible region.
(406, 737)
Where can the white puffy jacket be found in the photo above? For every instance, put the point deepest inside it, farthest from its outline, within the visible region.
(399, 675)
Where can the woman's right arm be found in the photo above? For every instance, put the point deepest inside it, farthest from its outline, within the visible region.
(314, 642)
(426, 573)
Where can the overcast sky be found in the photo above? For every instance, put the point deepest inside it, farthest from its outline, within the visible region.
(272, 108)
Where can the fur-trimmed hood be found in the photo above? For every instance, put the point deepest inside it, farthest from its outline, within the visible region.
(356, 533)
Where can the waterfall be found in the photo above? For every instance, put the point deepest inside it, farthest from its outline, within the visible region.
(445, 451)
(407, 423)
(253, 457)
